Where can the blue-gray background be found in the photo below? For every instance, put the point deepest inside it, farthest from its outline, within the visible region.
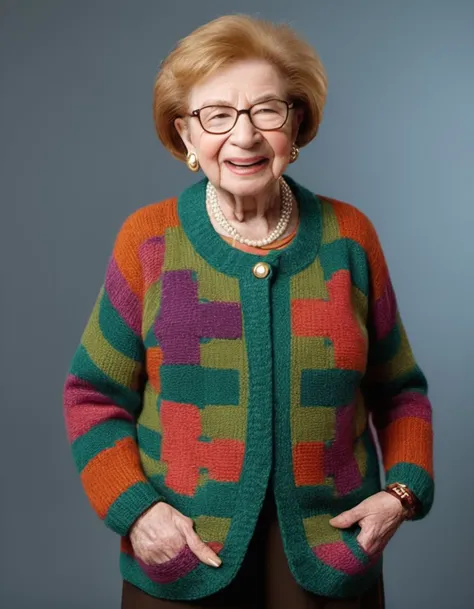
(78, 154)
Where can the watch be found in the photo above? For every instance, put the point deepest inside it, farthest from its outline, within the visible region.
(408, 500)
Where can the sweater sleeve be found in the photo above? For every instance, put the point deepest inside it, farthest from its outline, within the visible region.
(103, 395)
(396, 388)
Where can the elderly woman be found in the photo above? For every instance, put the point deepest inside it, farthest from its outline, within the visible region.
(245, 354)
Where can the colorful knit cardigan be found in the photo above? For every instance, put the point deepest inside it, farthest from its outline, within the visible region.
(198, 380)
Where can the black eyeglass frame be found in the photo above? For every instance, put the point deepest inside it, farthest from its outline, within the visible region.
(197, 114)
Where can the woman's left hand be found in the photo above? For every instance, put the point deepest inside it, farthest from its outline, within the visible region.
(378, 516)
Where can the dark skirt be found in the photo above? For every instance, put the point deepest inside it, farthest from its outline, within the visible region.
(263, 582)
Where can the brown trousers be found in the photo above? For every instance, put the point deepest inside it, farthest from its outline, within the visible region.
(263, 582)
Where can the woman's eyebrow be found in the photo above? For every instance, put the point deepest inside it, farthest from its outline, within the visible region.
(223, 102)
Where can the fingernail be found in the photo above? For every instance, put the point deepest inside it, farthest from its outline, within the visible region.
(214, 563)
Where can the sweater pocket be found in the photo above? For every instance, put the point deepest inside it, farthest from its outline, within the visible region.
(171, 570)
(346, 555)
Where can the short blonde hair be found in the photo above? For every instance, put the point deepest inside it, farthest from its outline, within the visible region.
(226, 40)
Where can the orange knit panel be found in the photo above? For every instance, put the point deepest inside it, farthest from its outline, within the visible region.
(308, 463)
(353, 224)
(111, 473)
(145, 223)
(407, 440)
(154, 359)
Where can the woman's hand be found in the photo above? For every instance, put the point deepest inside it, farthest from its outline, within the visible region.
(162, 532)
(378, 516)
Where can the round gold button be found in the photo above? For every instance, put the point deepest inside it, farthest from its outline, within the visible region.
(261, 270)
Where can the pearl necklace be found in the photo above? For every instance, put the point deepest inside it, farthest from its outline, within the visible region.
(286, 209)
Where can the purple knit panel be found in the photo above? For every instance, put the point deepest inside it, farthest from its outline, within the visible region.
(408, 404)
(183, 320)
(385, 312)
(340, 461)
(124, 301)
(167, 572)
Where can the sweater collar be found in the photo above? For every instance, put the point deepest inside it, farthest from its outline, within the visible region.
(236, 263)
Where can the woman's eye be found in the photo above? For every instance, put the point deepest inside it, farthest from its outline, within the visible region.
(219, 117)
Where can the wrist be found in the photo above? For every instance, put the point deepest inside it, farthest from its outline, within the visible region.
(406, 497)
(140, 518)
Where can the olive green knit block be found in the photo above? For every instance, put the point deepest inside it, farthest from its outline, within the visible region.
(312, 424)
(311, 353)
(224, 422)
(210, 528)
(310, 282)
(150, 416)
(212, 286)
(151, 307)
(114, 364)
(223, 354)
(319, 531)
(360, 305)
(152, 467)
(331, 230)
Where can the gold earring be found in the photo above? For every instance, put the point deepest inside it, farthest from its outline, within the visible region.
(295, 153)
(192, 161)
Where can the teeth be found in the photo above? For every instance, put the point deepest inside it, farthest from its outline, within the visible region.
(247, 165)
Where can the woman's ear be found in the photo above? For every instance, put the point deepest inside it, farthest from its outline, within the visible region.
(297, 120)
(182, 127)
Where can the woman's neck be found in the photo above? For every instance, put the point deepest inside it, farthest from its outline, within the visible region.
(252, 216)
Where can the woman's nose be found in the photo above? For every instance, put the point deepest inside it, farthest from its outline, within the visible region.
(244, 133)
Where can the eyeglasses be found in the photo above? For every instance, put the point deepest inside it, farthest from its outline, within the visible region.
(266, 116)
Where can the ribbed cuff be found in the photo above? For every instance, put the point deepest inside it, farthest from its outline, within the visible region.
(418, 481)
(130, 506)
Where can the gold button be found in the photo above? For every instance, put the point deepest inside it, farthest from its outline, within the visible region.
(261, 270)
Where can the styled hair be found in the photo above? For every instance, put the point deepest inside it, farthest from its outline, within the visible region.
(222, 42)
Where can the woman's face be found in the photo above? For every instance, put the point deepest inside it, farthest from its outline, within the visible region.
(241, 85)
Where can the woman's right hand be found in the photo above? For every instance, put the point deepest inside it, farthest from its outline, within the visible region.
(162, 532)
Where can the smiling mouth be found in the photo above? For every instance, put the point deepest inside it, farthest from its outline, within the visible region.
(253, 164)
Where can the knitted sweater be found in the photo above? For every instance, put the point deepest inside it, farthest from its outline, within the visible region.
(198, 380)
